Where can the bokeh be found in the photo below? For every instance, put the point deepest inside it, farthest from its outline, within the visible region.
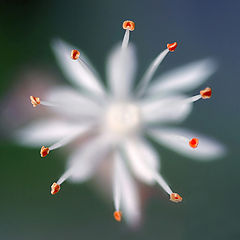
(202, 28)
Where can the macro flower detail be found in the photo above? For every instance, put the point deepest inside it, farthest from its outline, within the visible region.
(112, 123)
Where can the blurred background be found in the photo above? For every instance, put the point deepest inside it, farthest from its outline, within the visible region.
(210, 189)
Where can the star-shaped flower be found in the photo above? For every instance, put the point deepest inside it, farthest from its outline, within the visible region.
(114, 123)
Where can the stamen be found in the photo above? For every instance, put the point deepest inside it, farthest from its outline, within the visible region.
(206, 93)
(44, 151)
(172, 46)
(55, 188)
(128, 26)
(175, 197)
(118, 216)
(75, 54)
(35, 101)
(193, 143)
(147, 77)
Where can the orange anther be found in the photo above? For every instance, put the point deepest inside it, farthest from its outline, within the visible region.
(175, 197)
(118, 216)
(75, 54)
(128, 25)
(44, 151)
(193, 143)
(172, 46)
(206, 93)
(35, 101)
(55, 188)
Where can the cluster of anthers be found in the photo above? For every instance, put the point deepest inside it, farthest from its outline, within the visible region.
(193, 143)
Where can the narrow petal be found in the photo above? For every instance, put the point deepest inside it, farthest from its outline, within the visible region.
(72, 101)
(121, 69)
(165, 109)
(143, 159)
(130, 201)
(84, 161)
(75, 72)
(207, 148)
(183, 79)
(47, 132)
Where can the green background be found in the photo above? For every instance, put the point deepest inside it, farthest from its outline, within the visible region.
(211, 189)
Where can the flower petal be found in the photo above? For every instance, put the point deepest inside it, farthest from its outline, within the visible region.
(143, 159)
(165, 109)
(85, 160)
(121, 69)
(183, 79)
(78, 74)
(72, 102)
(207, 148)
(130, 201)
(47, 132)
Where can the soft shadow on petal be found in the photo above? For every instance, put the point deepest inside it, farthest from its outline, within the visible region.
(85, 161)
(184, 78)
(121, 70)
(46, 132)
(142, 158)
(130, 201)
(165, 109)
(78, 74)
(206, 150)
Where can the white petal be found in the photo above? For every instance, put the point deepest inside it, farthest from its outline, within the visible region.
(85, 160)
(207, 148)
(183, 79)
(143, 159)
(165, 109)
(72, 102)
(130, 201)
(47, 132)
(75, 72)
(121, 69)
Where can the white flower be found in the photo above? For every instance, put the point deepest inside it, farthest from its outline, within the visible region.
(113, 123)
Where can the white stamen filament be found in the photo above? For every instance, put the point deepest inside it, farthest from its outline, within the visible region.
(65, 176)
(116, 183)
(159, 179)
(193, 99)
(150, 72)
(65, 141)
(125, 39)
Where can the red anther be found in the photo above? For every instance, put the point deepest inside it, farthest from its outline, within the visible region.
(193, 143)
(172, 46)
(75, 54)
(55, 188)
(175, 197)
(44, 151)
(35, 101)
(118, 216)
(206, 93)
(128, 25)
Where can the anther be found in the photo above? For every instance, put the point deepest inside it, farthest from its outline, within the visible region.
(128, 25)
(175, 197)
(75, 54)
(206, 93)
(44, 151)
(118, 216)
(193, 143)
(172, 46)
(35, 101)
(55, 188)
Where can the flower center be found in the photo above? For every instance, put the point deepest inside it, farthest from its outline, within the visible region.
(122, 119)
